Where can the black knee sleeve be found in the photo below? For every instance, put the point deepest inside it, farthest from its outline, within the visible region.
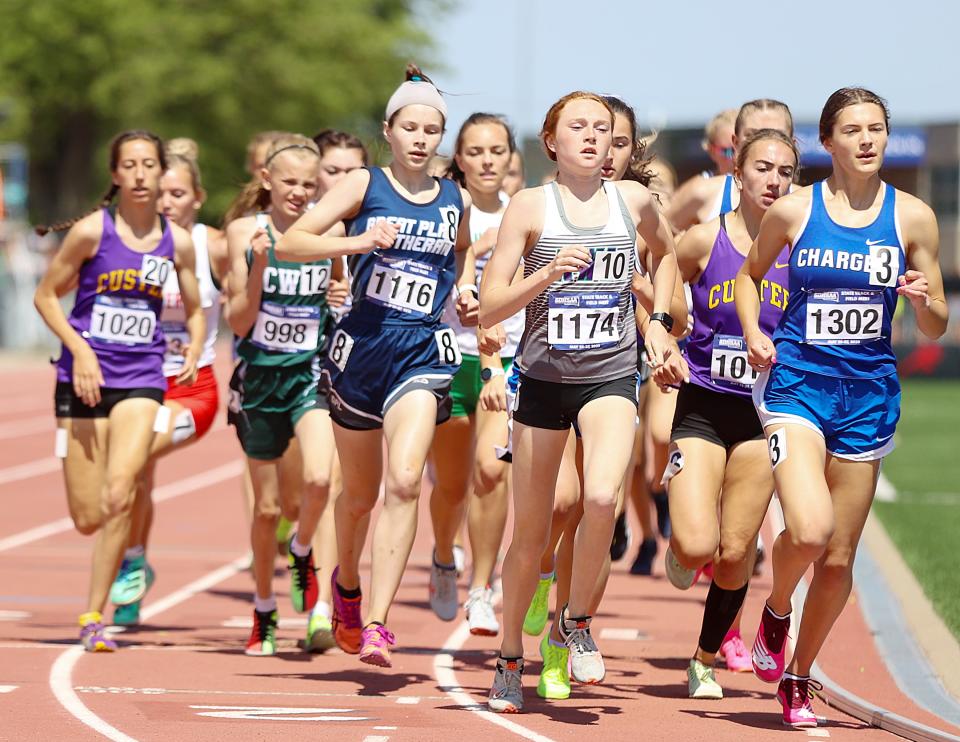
(718, 614)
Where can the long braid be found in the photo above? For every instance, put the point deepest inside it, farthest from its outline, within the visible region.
(105, 202)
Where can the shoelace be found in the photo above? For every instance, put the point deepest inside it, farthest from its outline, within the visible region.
(301, 571)
(512, 680)
(383, 636)
(579, 637)
(804, 690)
(738, 646)
(264, 626)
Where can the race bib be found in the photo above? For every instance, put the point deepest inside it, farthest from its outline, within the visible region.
(124, 321)
(583, 321)
(884, 265)
(405, 285)
(447, 347)
(606, 265)
(728, 362)
(286, 329)
(843, 317)
(155, 270)
(176, 336)
(340, 347)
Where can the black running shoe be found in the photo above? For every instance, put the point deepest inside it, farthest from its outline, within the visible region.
(661, 503)
(643, 564)
(621, 538)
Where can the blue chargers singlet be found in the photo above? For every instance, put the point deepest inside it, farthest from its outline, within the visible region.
(842, 284)
(409, 282)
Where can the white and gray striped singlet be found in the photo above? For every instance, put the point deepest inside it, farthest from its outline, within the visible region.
(581, 328)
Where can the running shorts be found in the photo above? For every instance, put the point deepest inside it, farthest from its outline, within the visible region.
(724, 419)
(555, 406)
(200, 401)
(67, 404)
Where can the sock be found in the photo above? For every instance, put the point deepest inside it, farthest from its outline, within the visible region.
(556, 644)
(265, 605)
(774, 613)
(321, 609)
(502, 661)
(297, 549)
(719, 613)
(350, 594)
(133, 552)
(544, 576)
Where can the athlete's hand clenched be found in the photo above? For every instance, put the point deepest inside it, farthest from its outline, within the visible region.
(380, 236)
(761, 354)
(571, 259)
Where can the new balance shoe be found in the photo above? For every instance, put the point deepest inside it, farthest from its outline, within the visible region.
(263, 636)
(770, 646)
(795, 694)
(375, 643)
(304, 589)
(480, 614)
(701, 682)
(132, 582)
(643, 564)
(93, 635)
(127, 615)
(346, 622)
(443, 590)
(735, 652)
(586, 662)
(319, 634)
(506, 695)
(680, 577)
(554, 680)
(621, 538)
(539, 610)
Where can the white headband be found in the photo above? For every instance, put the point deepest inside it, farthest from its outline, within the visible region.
(412, 92)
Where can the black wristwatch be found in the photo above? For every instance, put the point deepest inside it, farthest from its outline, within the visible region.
(663, 318)
(488, 373)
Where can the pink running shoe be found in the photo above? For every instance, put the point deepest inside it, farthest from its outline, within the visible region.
(735, 652)
(375, 643)
(770, 647)
(795, 694)
(346, 622)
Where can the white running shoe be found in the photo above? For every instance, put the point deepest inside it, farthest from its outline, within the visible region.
(480, 613)
(586, 662)
(680, 577)
(506, 695)
(459, 559)
(443, 591)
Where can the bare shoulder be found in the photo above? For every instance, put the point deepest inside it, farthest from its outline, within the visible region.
(89, 229)
(634, 194)
(700, 237)
(914, 213)
(181, 237)
(465, 195)
(793, 206)
(701, 189)
(241, 228)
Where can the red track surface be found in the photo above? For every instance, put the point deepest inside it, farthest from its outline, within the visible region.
(182, 675)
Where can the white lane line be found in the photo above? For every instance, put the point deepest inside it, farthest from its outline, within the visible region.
(375, 738)
(28, 426)
(13, 615)
(623, 635)
(166, 492)
(384, 729)
(129, 691)
(408, 700)
(61, 673)
(29, 470)
(447, 680)
(818, 733)
(8, 688)
(277, 713)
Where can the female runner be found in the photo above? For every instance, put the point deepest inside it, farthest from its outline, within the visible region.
(828, 393)
(110, 381)
(720, 485)
(280, 311)
(391, 359)
(578, 362)
(192, 407)
(464, 448)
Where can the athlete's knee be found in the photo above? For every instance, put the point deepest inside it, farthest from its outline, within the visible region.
(403, 487)
(267, 509)
(317, 483)
(730, 568)
(87, 521)
(600, 502)
(811, 539)
(120, 491)
(693, 549)
(489, 473)
(565, 500)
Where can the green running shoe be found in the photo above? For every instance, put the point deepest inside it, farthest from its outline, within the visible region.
(304, 588)
(133, 580)
(554, 680)
(539, 609)
(319, 634)
(263, 637)
(127, 615)
(284, 527)
(701, 683)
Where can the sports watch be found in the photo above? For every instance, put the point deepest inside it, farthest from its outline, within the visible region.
(488, 373)
(663, 318)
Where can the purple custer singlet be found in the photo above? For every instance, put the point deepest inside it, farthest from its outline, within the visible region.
(124, 366)
(715, 313)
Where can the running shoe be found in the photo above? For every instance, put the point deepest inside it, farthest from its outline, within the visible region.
(735, 652)
(701, 682)
(133, 580)
(93, 635)
(506, 695)
(621, 538)
(304, 589)
(319, 634)
(770, 647)
(662, 505)
(284, 527)
(680, 577)
(586, 662)
(459, 559)
(480, 614)
(375, 643)
(795, 694)
(347, 626)
(443, 590)
(127, 615)
(263, 637)
(643, 564)
(539, 609)
(554, 680)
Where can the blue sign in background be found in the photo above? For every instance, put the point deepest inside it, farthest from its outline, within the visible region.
(907, 146)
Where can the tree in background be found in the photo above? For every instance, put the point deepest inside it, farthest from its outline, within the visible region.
(74, 73)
